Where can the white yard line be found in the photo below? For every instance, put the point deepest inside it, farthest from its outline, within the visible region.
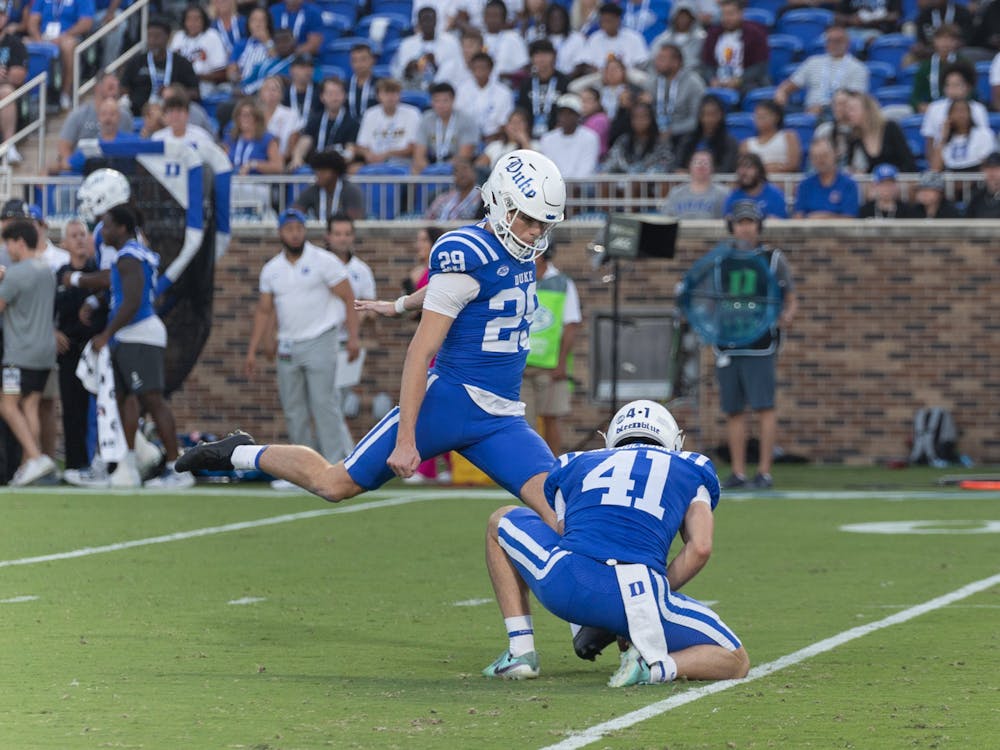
(596, 732)
(239, 526)
(247, 600)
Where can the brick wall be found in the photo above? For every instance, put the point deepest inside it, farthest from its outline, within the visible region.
(893, 316)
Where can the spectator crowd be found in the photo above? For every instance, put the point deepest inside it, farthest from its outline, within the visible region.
(445, 87)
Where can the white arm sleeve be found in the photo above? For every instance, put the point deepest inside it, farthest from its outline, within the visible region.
(449, 293)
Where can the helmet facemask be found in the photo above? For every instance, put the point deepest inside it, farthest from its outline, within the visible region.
(502, 215)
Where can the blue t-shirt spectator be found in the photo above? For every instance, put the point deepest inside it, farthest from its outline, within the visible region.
(771, 201)
(840, 197)
(304, 21)
(65, 13)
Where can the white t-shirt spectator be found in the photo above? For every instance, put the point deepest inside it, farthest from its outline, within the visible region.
(820, 75)
(936, 115)
(995, 71)
(284, 123)
(628, 45)
(303, 301)
(965, 151)
(381, 132)
(570, 50)
(508, 50)
(575, 155)
(207, 52)
(447, 55)
(491, 105)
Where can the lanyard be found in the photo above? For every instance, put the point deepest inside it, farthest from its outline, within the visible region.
(154, 79)
(442, 138)
(242, 152)
(949, 16)
(833, 75)
(323, 132)
(300, 18)
(326, 209)
(665, 104)
(354, 104)
(306, 108)
(935, 75)
(537, 105)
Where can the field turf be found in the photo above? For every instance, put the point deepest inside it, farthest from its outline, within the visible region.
(238, 617)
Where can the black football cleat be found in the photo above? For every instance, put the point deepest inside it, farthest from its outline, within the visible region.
(215, 456)
(589, 641)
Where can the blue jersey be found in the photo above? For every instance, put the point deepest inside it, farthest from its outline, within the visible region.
(628, 503)
(150, 264)
(771, 201)
(487, 344)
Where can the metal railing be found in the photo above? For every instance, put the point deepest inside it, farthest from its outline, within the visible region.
(408, 196)
(41, 82)
(82, 88)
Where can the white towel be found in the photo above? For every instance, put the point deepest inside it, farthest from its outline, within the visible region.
(645, 628)
(94, 371)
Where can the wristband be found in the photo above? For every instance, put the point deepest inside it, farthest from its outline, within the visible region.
(74, 278)
(400, 305)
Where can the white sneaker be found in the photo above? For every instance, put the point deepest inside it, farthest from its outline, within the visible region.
(444, 477)
(13, 155)
(415, 478)
(283, 485)
(147, 456)
(95, 475)
(126, 475)
(33, 470)
(171, 480)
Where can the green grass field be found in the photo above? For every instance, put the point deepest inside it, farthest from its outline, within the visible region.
(226, 618)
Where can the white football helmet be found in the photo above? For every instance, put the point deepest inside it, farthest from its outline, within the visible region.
(524, 182)
(647, 420)
(102, 190)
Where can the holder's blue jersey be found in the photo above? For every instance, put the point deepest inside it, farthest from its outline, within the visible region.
(487, 344)
(628, 503)
(150, 263)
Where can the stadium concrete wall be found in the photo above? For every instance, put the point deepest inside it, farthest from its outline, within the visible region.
(894, 316)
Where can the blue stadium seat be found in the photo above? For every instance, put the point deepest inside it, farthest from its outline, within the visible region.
(338, 51)
(911, 9)
(654, 30)
(335, 25)
(729, 97)
(760, 15)
(740, 125)
(804, 124)
(983, 91)
(995, 121)
(890, 48)
(388, 52)
(395, 7)
(347, 8)
(805, 23)
(757, 95)
(785, 50)
(40, 58)
(383, 29)
(879, 74)
(382, 71)
(889, 95)
(772, 5)
(382, 199)
(907, 75)
(419, 99)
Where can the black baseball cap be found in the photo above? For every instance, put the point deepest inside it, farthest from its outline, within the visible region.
(15, 208)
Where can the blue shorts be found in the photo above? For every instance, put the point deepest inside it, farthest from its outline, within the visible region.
(585, 591)
(506, 448)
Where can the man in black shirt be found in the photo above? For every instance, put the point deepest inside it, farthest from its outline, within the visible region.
(146, 75)
(330, 128)
(886, 203)
(331, 193)
(540, 90)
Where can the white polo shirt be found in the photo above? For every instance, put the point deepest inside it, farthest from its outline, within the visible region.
(303, 300)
